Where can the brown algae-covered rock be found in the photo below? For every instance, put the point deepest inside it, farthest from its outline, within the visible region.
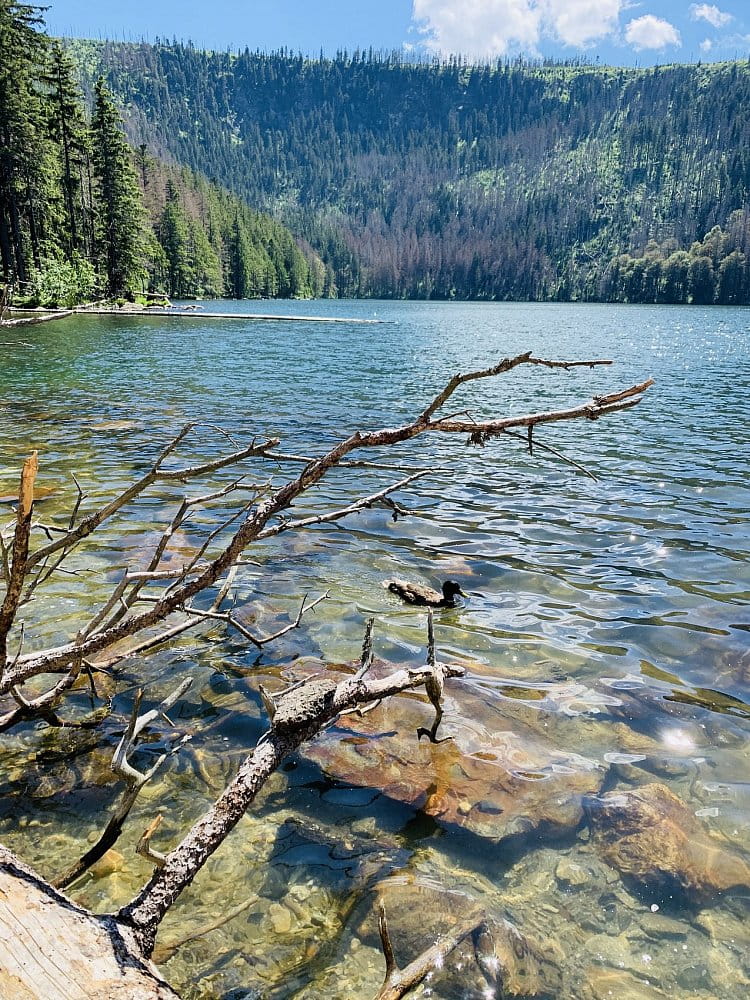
(494, 776)
(650, 834)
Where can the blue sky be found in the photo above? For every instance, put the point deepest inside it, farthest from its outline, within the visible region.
(613, 31)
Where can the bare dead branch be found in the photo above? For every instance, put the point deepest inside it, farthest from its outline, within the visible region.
(164, 952)
(258, 640)
(298, 715)
(365, 660)
(553, 451)
(168, 634)
(399, 982)
(17, 571)
(352, 464)
(133, 778)
(257, 524)
(385, 939)
(77, 505)
(499, 369)
(337, 515)
(33, 320)
(155, 474)
(144, 848)
(4, 561)
(43, 704)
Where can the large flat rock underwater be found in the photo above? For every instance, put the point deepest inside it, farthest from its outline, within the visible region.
(487, 773)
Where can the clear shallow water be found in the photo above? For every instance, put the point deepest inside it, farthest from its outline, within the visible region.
(606, 635)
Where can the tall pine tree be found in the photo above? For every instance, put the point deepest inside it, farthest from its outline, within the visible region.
(120, 215)
(69, 130)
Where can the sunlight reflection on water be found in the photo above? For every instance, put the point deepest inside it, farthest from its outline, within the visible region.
(618, 608)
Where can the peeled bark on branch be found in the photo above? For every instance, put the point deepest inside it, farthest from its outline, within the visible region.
(16, 572)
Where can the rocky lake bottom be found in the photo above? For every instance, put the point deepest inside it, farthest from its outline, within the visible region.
(589, 792)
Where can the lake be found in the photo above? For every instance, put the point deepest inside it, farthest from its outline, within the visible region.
(604, 635)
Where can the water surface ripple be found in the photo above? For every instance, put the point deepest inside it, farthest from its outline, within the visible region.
(605, 637)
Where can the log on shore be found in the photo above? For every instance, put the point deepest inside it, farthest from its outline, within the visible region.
(247, 317)
(178, 313)
(53, 949)
(32, 320)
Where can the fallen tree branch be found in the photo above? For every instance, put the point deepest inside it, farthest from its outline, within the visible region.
(300, 713)
(157, 473)
(506, 365)
(257, 524)
(164, 952)
(33, 320)
(16, 572)
(399, 982)
(52, 948)
(258, 640)
(134, 781)
(144, 848)
(363, 503)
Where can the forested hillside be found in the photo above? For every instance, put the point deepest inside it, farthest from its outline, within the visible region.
(82, 215)
(447, 180)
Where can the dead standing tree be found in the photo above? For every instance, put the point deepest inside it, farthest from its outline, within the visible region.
(148, 607)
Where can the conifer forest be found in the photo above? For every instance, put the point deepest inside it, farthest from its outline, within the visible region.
(83, 214)
(367, 175)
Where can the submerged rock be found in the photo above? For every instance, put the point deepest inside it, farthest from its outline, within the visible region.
(114, 425)
(609, 984)
(494, 777)
(617, 952)
(651, 835)
(498, 954)
(109, 863)
(517, 964)
(570, 874)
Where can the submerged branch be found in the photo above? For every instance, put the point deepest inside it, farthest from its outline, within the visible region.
(134, 781)
(300, 713)
(399, 982)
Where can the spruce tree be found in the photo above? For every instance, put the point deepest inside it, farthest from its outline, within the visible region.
(119, 230)
(174, 238)
(23, 152)
(69, 130)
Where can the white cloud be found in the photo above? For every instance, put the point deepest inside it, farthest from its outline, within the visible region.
(710, 12)
(706, 45)
(478, 28)
(649, 32)
(486, 28)
(580, 22)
